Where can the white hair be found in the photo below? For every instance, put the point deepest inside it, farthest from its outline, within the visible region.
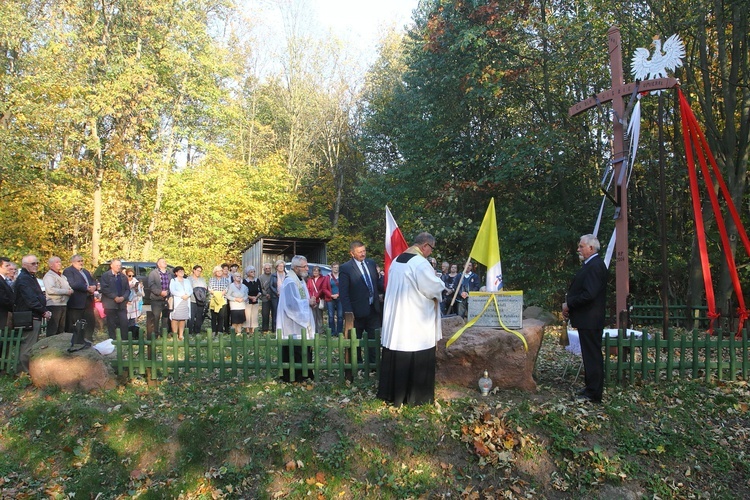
(592, 241)
(298, 260)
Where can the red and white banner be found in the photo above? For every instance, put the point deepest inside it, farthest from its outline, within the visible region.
(395, 244)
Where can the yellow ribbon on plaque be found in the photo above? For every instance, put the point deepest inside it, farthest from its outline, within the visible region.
(491, 299)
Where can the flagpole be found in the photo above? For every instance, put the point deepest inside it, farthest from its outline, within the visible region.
(466, 268)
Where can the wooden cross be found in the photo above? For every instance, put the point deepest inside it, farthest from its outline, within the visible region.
(617, 95)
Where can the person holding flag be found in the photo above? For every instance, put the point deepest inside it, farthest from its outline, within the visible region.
(468, 282)
(585, 305)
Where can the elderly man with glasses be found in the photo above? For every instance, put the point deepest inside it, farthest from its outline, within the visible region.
(411, 326)
(294, 315)
(29, 297)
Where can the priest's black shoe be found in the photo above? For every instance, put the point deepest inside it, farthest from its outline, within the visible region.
(584, 398)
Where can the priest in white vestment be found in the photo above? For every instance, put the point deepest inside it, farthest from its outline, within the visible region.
(411, 327)
(294, 315)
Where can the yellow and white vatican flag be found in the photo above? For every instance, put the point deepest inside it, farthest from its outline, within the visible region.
(486, 250)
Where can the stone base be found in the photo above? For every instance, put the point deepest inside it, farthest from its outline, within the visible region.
(499, 352)
(85, 370)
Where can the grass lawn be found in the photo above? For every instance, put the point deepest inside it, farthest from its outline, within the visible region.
(202, 438)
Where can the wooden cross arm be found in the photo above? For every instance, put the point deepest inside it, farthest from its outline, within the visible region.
(624, 90)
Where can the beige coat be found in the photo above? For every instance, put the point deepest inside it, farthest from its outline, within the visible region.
(56, 288)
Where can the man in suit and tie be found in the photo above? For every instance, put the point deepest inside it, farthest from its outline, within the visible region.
(115, 293)
(359, 290)
(585, 305)
(7, 295)
(81, 301)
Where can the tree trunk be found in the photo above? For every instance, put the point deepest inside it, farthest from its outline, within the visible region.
(161, 180)
(96, 230)
(730, 140)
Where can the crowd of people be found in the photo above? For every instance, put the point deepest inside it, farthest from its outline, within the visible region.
(408, 312)
(242, 302)
(290, 302)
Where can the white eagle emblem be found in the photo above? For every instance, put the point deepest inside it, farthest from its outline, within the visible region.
(670, 58)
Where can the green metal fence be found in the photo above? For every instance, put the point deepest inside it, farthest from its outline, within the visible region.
(254, 355)
(692, 354)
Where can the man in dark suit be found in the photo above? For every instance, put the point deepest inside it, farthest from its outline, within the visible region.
(115, 293)
(359, 290)
(29, 297)
(585, 305)
(7, 295)
(81, 301)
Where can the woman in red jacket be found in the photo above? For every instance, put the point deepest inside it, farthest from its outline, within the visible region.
(320, 289)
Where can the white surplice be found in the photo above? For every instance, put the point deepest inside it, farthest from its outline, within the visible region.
(294, 312)
(411, 315)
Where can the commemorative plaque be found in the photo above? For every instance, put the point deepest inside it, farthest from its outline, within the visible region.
(510, 305)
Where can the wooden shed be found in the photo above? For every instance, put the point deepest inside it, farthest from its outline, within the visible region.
(270, 249)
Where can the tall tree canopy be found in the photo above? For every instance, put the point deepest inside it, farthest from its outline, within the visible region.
(473, 104)
(179, 128)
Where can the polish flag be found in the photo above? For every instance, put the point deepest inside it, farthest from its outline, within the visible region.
(395, 244)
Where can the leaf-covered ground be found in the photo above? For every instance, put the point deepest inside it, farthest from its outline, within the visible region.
(190, 438)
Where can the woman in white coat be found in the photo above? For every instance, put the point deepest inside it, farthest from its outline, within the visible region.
(181, 290)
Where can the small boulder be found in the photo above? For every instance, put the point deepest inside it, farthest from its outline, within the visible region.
(499, 352)
(52, 365)
(536, 312)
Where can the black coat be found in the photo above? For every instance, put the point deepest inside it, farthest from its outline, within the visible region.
(587, 295)
(29, 295)
(273, 288)
(7, 296)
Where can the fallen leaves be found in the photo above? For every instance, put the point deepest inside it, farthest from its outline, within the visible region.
(318, 480)
(492, 438)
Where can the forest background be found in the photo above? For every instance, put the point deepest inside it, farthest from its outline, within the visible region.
(147, 128)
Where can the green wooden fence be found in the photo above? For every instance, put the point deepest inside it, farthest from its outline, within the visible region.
(685, 355)
(689, 355)
(10, 349)
(652, 313)
(254, 355)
